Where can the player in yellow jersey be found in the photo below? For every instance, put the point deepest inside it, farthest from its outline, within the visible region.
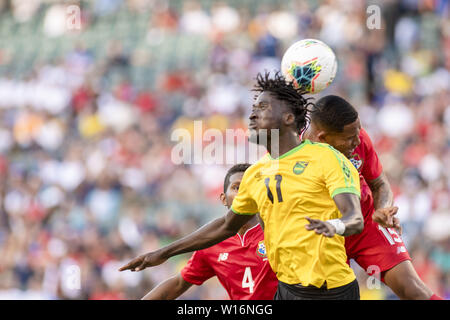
(307, 195)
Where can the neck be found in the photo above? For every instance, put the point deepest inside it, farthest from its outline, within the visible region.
(250, 224)
(283, 144)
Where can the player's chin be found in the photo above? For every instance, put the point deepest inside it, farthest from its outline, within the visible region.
(253, 136)
(349, 153)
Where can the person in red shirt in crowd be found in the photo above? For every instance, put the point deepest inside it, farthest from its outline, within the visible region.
(379, 249)
(239, 262)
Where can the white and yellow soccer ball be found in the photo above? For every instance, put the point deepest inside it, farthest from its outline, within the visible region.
(310, 64)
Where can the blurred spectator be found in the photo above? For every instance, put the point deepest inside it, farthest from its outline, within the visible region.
(86, 123)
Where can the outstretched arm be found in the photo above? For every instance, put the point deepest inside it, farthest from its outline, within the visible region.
(207, 236)
(170, 289)
(352, 221)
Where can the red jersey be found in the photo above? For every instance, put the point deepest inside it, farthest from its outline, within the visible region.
(366, 161)
(376, 249)
(240, 264)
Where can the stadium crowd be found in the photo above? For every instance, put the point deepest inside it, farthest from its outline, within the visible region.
(86, 175)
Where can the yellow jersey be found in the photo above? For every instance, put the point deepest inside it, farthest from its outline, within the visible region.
(300, 183)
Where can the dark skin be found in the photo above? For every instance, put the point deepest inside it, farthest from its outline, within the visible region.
(346, 142)
(402, 278)
(267, 113)
(175, 286)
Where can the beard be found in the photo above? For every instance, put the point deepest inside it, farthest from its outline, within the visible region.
(253, 136)
(260, 136)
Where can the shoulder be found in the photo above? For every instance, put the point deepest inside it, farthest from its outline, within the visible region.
(320, 148)
(255, 169)
(363, 134)
(365, 148)
(257, 232)
(366, 142)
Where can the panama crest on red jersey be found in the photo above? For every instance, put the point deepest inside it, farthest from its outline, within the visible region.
(261, 249)
(357, 161)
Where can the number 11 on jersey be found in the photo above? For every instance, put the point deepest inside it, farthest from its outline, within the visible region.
(278, 178)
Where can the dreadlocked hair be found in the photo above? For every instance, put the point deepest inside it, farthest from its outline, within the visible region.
(284, 90)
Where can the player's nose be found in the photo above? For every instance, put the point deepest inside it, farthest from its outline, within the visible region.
(252, 117)
(356, 142)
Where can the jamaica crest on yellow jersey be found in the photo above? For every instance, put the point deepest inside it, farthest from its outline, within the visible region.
(299, 167)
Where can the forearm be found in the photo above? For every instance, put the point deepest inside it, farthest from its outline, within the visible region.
(210, 234)
(354, 223)
(383, 196)
(350, 208)
(170, 289)
(207, 236)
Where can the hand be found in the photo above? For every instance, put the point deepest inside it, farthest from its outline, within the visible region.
(150, 259)
(385, 218)
(321, 227)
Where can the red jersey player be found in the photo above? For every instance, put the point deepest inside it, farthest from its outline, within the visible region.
(240, 262)
(378, 248)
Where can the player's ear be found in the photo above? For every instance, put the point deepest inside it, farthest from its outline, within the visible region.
(321, 136)
(288, 118)
(223, 198)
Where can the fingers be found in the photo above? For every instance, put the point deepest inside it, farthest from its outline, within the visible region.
(390, 212)
(397, 226)
(385, 216)
(324, 230)
(142, 266)
(319, 227)
(313, 223)
(131, 265)
(309, 226)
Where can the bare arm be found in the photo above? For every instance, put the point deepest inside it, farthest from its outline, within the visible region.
(205, 237)
(382, 193)
(170, 289)
(383, 201)
(350, 208)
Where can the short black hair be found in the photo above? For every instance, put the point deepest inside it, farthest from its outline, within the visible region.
(240, 167)
(333, 113)
(285, 91)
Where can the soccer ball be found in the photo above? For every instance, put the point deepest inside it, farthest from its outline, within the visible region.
(310, 64)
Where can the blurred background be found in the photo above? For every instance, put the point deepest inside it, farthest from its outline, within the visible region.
(90, 92)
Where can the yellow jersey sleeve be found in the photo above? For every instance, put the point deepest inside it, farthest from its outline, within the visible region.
(339, 174)
(243, 203)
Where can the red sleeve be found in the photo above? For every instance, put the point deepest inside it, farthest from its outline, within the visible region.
(371, 167)
(197, 270)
